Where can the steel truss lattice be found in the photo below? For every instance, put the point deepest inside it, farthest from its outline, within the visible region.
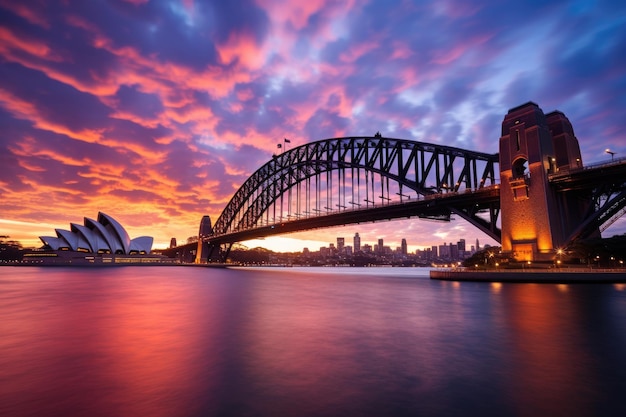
(360, 174)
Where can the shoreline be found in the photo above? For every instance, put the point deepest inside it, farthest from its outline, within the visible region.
(537, 276)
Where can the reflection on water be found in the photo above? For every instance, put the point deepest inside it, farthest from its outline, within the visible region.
(175, 341)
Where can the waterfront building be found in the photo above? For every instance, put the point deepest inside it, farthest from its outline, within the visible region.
(101, 241)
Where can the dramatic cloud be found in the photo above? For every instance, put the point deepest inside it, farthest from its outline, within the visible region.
(157, 111)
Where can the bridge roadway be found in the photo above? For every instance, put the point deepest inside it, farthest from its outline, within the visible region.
(433, 207)
(589, 176)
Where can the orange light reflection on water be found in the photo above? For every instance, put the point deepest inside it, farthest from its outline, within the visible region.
(92, 341)
(547, 372)
(152, 344)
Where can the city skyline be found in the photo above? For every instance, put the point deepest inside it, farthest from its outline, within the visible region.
(156, 112)
(357, 243)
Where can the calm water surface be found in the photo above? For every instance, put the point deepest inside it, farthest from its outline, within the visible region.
(180, 341)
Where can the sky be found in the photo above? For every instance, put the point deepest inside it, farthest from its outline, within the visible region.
(155, 112)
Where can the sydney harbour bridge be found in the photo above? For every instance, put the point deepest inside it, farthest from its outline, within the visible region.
(534, 196)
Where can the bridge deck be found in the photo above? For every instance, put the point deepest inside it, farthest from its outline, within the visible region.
(435, 207)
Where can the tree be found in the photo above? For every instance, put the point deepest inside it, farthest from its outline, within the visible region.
(10, 250)
(485, 258)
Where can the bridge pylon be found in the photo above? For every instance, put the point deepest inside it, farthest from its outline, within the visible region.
(536, 220)
(206, 230)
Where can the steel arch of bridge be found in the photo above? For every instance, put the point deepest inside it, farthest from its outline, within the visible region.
(350, 174)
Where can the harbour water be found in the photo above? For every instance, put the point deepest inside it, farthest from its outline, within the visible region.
(177, 341)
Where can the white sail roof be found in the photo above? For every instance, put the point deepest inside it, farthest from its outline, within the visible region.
(104, 235)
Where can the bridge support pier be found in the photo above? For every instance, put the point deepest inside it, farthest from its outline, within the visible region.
(536, 221)
(202, 254)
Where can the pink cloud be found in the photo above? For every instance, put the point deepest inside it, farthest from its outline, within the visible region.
(296, 14)
(11, 43)
(27, 12)
(447, 56)
(357, 51)
(241, 47)
(401, 50)
(22, 109)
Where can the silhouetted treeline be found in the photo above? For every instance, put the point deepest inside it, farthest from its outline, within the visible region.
(258, 256)
(601, 252)
(10, 250)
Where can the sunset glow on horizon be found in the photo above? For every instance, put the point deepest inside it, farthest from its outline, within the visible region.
(155, 112)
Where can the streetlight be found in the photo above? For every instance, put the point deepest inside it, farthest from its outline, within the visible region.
(610, 152)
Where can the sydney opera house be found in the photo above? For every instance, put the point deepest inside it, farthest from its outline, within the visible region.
(102, 241)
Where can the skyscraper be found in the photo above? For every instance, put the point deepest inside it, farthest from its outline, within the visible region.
(341, 243)
(357, 243)
(404, 247)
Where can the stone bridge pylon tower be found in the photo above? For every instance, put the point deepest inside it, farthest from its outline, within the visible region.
(536, 219)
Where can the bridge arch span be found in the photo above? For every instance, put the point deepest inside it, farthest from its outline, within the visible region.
(338, 175)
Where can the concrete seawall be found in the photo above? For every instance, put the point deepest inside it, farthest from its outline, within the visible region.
(551, 276)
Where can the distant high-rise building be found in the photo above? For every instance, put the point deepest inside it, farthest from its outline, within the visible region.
(454, 252)
(357, 242)
(477, 245)
(444, 251)
(461, 245)
(405, 249)
(341, 243)
(380, 246)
